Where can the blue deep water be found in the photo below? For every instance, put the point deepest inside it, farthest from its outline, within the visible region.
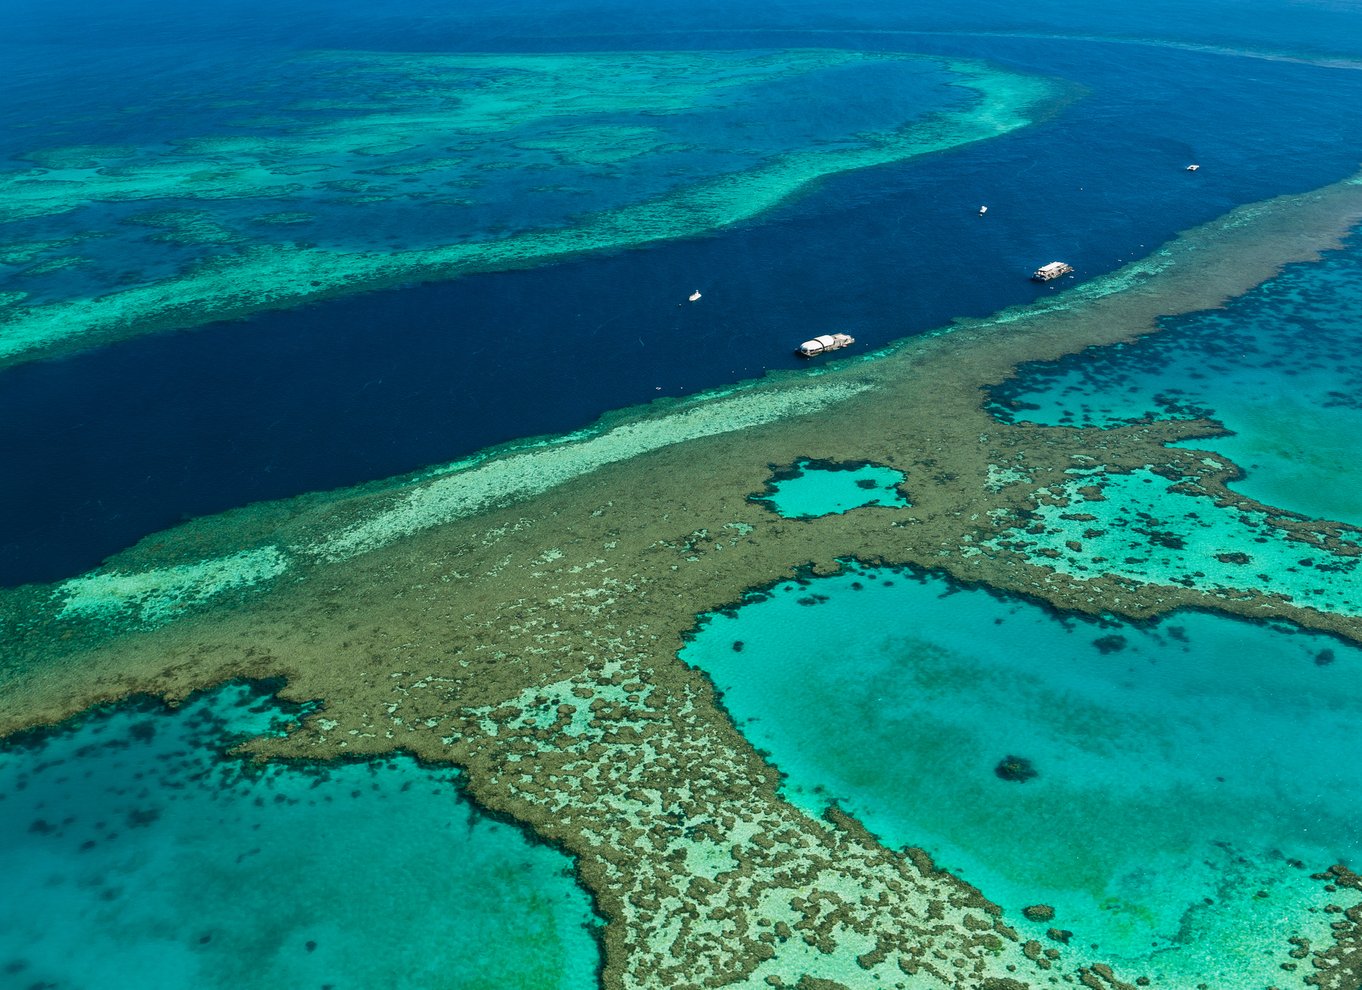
(138, 853)
(1189, 775)
(105, 447)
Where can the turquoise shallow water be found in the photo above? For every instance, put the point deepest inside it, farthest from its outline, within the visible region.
(1190, 774)
(1141, 527)
(818, 488)
(1276, 366)
(135, 854)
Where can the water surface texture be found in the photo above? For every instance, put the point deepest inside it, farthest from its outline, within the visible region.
(342, 392)
(463, 163)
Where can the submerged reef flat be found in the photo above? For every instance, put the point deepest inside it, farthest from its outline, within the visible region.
(491, 164)
(519, 616)
(1146, 527)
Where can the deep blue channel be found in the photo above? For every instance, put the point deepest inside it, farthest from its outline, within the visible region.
(102, 448)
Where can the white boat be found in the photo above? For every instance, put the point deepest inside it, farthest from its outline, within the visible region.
(983, 210)
(824, 343)
(1193, 168)
(694, 296)
(1053, 270)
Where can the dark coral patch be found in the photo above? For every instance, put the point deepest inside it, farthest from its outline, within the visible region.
(1109, 644)
(1015, 768)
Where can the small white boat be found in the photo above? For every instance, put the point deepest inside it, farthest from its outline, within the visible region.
(826, 342)
(1193, 168)
(695, 296)
(983, 210)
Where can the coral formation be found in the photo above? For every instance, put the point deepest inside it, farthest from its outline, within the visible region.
(1019, 770)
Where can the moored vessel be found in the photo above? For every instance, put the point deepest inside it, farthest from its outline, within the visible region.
(1053, 270)
(825, 342)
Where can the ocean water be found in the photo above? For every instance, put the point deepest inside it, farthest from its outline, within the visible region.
(1171, 763)
(125, 440)
(138, 852)
(1181, 795)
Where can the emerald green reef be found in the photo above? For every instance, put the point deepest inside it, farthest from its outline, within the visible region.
(519, 615)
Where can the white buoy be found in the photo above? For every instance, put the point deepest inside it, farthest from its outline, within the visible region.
(694, 296)
(983, 210)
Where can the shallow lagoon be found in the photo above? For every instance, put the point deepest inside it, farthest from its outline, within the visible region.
(811, 489)
(1140, 526)
(1180, 765)
(136, 854)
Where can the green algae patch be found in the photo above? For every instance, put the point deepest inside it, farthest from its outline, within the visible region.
(640, 146)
